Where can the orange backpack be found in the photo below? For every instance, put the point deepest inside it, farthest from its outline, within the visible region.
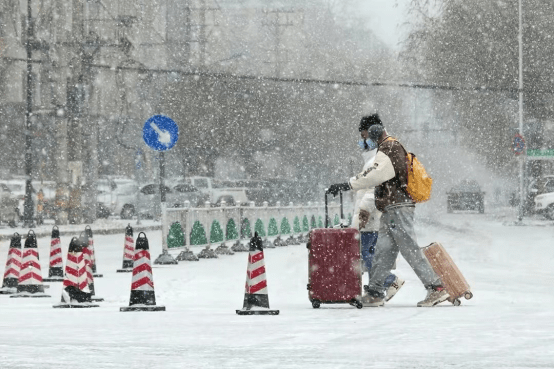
(419, 184)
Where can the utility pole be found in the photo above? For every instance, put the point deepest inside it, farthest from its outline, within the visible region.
(200, 30)
(28, 205)
(523, 156)
(278, 50)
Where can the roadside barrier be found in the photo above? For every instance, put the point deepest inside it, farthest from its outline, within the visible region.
(204, 226)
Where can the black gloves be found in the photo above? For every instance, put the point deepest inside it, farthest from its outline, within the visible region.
(335, 188)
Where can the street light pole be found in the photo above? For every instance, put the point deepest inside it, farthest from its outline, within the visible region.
(523, 156)
(28, 205)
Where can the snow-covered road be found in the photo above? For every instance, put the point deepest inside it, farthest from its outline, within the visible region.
(508, 324)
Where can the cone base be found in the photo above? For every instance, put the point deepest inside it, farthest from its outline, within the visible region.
(55, 272)
(30, 295)
(125, 270)
(142, 307)
(257, 312)
(53, 279)
(97, 275)
(75, 305)
(8, 290)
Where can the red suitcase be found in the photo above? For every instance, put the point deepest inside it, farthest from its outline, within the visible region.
(334, 265)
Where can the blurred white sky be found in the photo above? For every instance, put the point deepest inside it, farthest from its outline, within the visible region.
(386, 17)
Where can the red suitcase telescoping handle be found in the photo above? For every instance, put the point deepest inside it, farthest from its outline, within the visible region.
(327, 220)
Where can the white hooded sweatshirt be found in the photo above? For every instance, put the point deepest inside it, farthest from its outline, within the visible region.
(365, 199)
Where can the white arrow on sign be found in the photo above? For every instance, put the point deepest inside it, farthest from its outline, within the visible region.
(164, 137)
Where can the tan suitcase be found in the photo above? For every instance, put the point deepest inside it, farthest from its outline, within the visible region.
(444, 266)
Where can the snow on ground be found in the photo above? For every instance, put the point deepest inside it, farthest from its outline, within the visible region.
(508, 324)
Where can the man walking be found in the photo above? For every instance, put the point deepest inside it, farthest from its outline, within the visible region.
(396, 231)
(365, 203)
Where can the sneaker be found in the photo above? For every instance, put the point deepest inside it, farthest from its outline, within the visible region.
(394, 288)
(435, 295)
(373, 299)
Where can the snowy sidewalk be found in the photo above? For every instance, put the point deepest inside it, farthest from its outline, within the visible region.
(99, 227)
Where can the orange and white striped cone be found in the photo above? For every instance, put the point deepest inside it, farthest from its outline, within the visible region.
(30, 277)
(128, 250)
(13, 266)
(143, 296)
(88, 267)
(75, 292)
(256, 295)
(55, 271)
(90, 239)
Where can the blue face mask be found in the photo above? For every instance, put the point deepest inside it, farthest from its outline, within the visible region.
(367, 144)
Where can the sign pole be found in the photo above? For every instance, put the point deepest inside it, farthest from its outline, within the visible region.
(161, 133)
(162, 176)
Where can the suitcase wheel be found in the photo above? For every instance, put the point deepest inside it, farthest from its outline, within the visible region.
(357, 304)
(316, 303)
(468, 295)
(456, 302)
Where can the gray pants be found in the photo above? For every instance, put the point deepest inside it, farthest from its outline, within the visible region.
(396, 234)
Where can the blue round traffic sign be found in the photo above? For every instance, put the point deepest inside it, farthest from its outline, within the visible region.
(160, 133)
(518, 144)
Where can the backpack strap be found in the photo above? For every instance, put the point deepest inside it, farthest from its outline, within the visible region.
(409, 163)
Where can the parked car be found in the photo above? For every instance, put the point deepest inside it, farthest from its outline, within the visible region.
(180, 193)
(146, 199)
(536, 187)
(127, 195)
(228, 199)
(8, 206)
(544, 202)
(149, 200)
(106, 197)
(216, 188)
(466, 196)
(17, 187)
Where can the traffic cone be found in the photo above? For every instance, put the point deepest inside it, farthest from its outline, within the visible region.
(255, 294)
(90, 239)
(13, 266)
(143, 296)
(87, 253)
(55, 271)
(30, 277)
(76, 292)
(128, 250)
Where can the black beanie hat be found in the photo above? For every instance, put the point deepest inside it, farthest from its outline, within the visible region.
(375, 132)
(367, 121)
